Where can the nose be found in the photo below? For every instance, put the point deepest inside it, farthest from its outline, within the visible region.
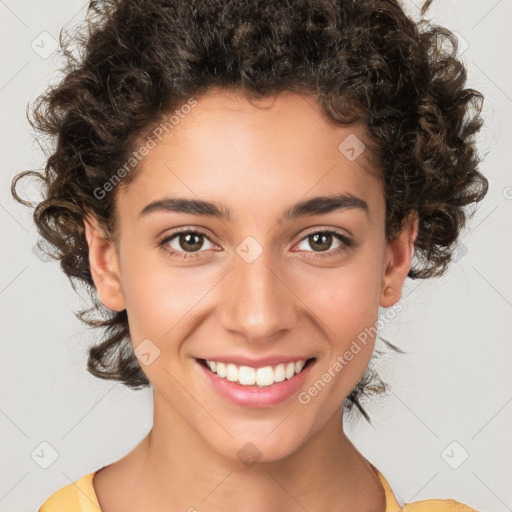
(257, 302)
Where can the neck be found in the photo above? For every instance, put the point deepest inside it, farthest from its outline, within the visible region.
(178, 469)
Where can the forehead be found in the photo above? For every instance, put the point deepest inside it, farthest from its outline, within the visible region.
(267, 153)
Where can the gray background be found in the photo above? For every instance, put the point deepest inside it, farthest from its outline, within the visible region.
(452, 386)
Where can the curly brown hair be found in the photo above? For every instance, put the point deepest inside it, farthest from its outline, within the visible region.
(362, 60)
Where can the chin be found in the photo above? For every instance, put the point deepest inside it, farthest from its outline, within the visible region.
(260, 448)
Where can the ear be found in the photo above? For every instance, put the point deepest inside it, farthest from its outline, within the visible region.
(398, 262)
(104, 264)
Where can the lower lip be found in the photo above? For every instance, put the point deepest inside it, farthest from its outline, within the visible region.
(254, 396)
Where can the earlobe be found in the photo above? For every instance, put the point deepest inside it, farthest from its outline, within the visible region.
(400, 252)
(104, 265)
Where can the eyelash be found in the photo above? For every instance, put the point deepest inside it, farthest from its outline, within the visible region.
(346, 243)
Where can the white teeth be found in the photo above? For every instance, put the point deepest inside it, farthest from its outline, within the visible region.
(290, 370)
(265, 376)
(231, 372)
(221, 369)
(279, 373)
(247, 376)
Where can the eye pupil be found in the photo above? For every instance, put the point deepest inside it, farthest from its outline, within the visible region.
(190, 245)
(322, 236)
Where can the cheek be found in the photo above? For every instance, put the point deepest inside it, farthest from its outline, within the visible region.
(158, 296)
(350, 311)
(346, 307)
(345, 300)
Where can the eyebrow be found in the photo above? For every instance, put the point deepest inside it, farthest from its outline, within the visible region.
(313, 206)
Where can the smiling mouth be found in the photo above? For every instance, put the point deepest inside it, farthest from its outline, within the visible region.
(256, 377)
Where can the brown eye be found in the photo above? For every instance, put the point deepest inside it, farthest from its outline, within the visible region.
(322, 241)
(184, 242)
(190, 242)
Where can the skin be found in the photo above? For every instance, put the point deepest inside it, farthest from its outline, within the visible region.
(257, 162)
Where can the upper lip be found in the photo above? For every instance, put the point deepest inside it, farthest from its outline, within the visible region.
(257, 363)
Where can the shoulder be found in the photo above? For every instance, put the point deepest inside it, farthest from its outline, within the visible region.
(431, 505)
(78, 496)
(437, 506)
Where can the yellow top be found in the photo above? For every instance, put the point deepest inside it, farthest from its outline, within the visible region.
(81, 497)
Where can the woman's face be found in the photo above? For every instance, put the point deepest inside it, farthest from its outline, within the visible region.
(258, 283)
